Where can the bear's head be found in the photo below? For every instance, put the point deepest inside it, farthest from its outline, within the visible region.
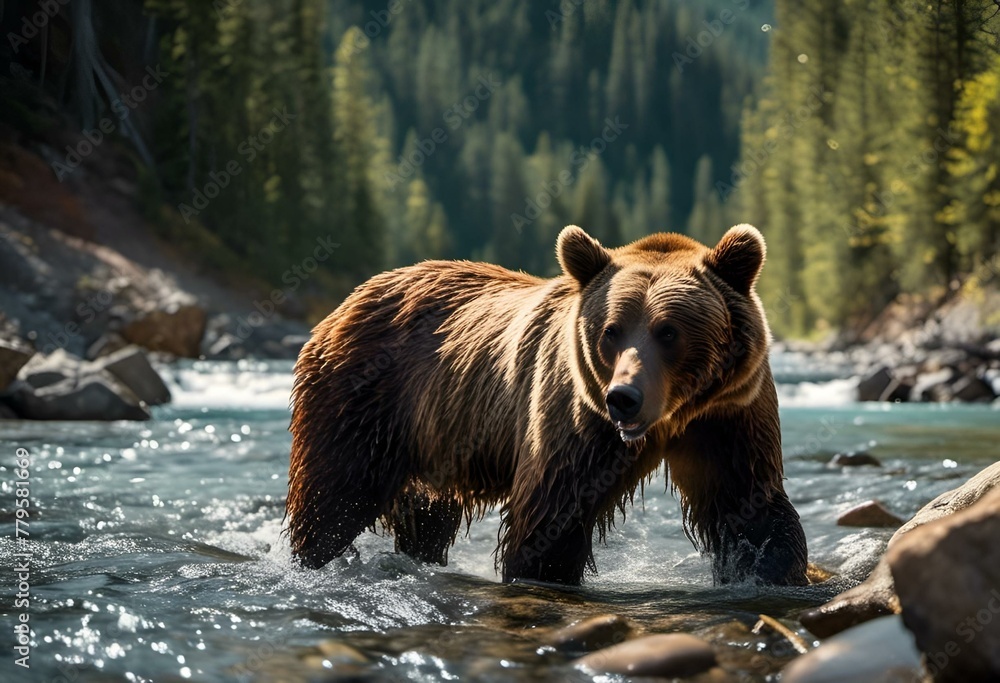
(665, 328)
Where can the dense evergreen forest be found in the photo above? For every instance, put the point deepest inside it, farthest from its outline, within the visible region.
(871, 157)
(450, 128)
(862, 136)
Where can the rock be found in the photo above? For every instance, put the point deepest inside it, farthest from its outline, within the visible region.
(592, 633)
(971, 389)
(177, 330)
(947, 575)
(882, 385)
(932, 386)
(131, 367)
(334, 654)
(881, 651)
(106, 344)
(877, 596)
(854, 460)
(871, 513)
(668, 655)
(13, 356)
(93, 397)
(869, 600)
(42, 371)
(817, 574)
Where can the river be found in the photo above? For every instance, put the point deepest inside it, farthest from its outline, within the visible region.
(156, 550)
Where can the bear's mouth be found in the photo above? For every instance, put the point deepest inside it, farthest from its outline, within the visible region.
(630, 431)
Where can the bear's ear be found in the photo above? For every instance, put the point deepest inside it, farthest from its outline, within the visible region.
(580, 255)
(738, 257)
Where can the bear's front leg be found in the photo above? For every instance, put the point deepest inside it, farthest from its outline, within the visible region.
(549, 521)
(728, 469)
(558, 550)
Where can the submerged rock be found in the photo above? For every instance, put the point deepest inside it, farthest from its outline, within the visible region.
(877, 596)
(592, 633)
(669, 655)
(854, 460)
(880, 651)
(947, 576)
(871, 513)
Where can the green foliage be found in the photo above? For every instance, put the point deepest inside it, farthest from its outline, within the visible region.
(870, 155)
(446, 128)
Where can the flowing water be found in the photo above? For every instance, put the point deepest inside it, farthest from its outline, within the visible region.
(156, 550)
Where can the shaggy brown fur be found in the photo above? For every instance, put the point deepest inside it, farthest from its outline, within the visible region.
(442, 389)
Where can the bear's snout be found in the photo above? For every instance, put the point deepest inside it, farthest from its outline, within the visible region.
(624, 402)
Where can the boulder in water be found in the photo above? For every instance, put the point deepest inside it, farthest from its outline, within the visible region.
(877, 596)
(668, 655)
(876, 652)
(93, 397)
(592, 633)
(861, 459)
(871, 513)
(131, 367)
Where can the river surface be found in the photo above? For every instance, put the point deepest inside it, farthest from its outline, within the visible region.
(156, 550)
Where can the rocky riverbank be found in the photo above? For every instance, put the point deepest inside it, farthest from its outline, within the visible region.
(72, 311)
(919, 351)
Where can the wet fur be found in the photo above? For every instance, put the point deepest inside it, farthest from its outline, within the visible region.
(438, 391)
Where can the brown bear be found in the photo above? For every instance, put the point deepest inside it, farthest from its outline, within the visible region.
(439, 390)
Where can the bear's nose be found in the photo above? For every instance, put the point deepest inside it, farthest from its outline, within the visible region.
(624, 402)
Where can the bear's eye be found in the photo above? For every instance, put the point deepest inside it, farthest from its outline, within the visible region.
(611, 332)
(667, 334)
